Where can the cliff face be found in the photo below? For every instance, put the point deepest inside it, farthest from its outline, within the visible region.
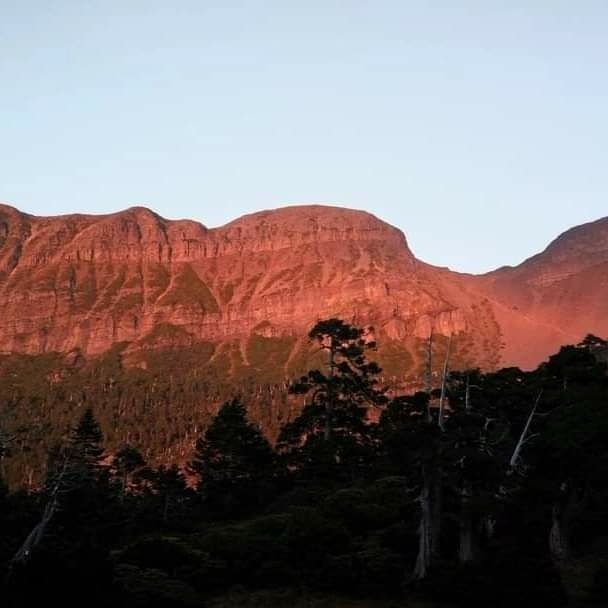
(91, 282)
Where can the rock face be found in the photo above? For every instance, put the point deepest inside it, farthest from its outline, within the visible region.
(90, 282)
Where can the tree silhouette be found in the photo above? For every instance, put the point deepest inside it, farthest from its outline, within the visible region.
(85, 450)
(170, 486)
(332, 427)
(232, 459)
(127, 462)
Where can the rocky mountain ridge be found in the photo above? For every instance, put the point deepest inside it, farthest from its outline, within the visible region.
(88, 283)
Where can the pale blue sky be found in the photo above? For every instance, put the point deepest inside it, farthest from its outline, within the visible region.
(480, 128)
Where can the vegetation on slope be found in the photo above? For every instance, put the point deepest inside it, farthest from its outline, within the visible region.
(488, 490)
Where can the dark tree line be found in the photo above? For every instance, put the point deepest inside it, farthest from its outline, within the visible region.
(489, 489)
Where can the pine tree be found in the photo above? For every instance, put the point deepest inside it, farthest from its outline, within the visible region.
(332, 428)
(68, 550)
(232, 459)
(85, 449)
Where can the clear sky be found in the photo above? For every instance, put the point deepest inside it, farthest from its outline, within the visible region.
(480, 128)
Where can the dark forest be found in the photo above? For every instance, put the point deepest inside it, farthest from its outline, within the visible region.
(477, 489)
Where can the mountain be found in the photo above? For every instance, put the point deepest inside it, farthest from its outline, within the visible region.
(83, 283)
(250, 290)
(555, 297)
(155, 322)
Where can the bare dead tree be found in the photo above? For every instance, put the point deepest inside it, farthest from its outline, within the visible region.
(569, 503)
(425, 528)
(444, 379)
(525, 436)
(60, 486)
(429, 375)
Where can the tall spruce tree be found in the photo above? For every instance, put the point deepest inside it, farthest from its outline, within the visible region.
(85, 449)
(66, 555)
(232, 461)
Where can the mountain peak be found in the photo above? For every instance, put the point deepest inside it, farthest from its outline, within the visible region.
(591, 237)
(301, 224)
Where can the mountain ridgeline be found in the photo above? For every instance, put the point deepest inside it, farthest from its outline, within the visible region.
(152, 319)
(83, 284)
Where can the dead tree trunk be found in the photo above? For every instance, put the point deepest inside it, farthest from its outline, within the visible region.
(444, 379)
(429, 376)
(35, 537)
(329, 404)
(563, 511)
(437, 462)
(429, 528)
(524, 437)
(466, 550)
(437, 505)
(425, 528)
(559, 535)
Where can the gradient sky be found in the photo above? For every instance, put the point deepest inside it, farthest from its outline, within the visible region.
(480, 128)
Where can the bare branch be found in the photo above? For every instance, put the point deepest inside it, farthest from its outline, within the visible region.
(515, 458)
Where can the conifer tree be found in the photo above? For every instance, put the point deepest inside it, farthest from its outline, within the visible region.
(85, 450)
(232, 459)
(411, 438)
(68, 549)
(475, 455)
(171, 488)
(332, 428)
(127, 462)
(568, 457)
